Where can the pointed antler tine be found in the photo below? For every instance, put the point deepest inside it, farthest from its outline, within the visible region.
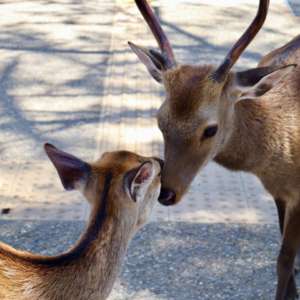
(236, 51)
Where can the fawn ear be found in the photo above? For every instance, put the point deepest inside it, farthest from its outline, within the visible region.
(138, 180)
(149, 60)
(72, 171)
(257, 82)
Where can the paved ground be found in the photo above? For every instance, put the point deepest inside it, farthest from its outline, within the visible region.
(68, 77)
(295, 6)
(52, 74)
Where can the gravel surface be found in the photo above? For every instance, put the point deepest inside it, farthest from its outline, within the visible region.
(174, 260)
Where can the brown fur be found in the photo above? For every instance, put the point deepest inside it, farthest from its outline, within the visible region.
(90, 268)
(257, 135)
(261, 136)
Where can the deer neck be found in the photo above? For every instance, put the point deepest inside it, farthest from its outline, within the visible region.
(87, 271)
(246, 142)
(100, 263)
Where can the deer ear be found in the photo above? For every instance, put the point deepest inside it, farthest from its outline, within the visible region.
(257, 82)
(72, 171)
(138, 180)
(148, 59)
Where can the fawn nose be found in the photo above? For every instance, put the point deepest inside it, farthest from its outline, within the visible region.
(161, 163)
(167, 197)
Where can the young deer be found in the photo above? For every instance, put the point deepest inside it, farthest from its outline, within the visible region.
(121, 189)
(245, 121)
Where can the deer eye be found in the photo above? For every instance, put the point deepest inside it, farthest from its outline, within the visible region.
(209, 132)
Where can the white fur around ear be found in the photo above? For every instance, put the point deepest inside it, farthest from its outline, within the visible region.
(265, 84)
(137, 187)
(146, 58)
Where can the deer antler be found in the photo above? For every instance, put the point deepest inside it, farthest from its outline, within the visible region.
(167, 56)
(236, 51)
(158, 33)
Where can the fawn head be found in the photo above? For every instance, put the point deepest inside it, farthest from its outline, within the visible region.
(197, 115)
(131, 181)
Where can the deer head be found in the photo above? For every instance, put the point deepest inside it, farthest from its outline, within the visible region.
(196, 117)
(134, 181)
(121, 188)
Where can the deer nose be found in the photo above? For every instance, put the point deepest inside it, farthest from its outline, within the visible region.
(167, 197)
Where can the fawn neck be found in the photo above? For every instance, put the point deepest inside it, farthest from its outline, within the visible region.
(87, 271)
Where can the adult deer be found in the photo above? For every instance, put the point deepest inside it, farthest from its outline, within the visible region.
(245, 121)
(121, 189)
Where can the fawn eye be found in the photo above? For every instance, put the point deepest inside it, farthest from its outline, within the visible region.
(209, 132)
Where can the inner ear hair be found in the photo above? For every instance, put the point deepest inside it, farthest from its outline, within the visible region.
(161, 58)
(151, 62)
(129, 177)
(138, 179)
(147, 52)
(255, 83)
(251, 77)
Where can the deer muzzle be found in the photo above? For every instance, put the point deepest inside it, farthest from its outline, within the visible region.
(167, 197)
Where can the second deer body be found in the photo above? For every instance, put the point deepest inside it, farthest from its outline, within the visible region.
(246, 121)
(121, 189)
